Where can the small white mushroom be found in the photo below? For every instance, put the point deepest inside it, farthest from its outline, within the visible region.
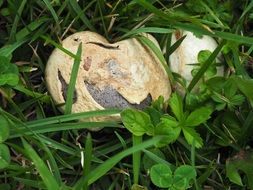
(119, 75)
(185, 57)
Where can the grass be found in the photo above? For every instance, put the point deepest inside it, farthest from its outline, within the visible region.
(51, 150)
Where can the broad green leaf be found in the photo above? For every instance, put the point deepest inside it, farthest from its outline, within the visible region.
(176, 105)
(190, 134)
(9, 79)
(240, 162)
(137, 122)
(183, 175)
(169, 133)
(4, 64)
(154, 114)
(245, 86)
(233, 174)
(9, 74)
(4, 129)
(179, 182)
(5, 157)
(44, 172)
(170, 121)
(203, 55)
(161, 175)
(198, 116)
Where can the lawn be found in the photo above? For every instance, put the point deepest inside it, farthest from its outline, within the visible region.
(198, 138)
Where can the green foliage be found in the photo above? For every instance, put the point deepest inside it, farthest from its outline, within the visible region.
(5, 128)
(241, 162)
(43, 170)
(170, 127)
(217, 116)
(162, 176)
(9, 74)
(137, 122)
(5, 157)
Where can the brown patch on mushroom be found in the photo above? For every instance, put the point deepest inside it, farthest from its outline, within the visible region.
(64, 88)
(178, 34)
(87, 63)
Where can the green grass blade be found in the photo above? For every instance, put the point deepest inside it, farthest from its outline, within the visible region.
(72, 82)
(8, 49)
(16, 20)
(59, 127)
(205, 66)
(80, 13)
(147, 30)
(157, 159)
(44, 172)
(159, 55)
(29, 28)
(240, 70)
(100, 4)
(153, 9)
(53, 13)
(87, 159)
(175, 45)
(49, 40)
(70, 117)
(53, 165)
(111, 162)
(136, 158)
(39, 96)
(57, 145)
(224, 35)
(31, 183)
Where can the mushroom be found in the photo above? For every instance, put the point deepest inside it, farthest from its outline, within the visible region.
(185, 57)
(120, 75)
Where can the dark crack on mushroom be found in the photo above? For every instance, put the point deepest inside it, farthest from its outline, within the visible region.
(111, 98)
(104, 45)
(64, 88)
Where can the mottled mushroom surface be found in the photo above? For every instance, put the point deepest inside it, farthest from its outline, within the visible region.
(120, 75)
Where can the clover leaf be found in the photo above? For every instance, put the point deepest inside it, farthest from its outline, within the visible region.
(162, 176)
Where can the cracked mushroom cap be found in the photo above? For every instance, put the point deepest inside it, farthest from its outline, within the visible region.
(120, 75)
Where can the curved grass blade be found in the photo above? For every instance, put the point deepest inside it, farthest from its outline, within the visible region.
(67, 118)
(16, 20)
(53, 13)
(81, 14)
(87, 159)
(59, 127)
(72, 82)
(159, 55)
(102, 169)
(44, 172)
(136, 158)
(147, 30)
(49, 40)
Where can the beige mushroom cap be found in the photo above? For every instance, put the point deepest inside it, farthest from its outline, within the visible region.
(182, 60)
(119, 75)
